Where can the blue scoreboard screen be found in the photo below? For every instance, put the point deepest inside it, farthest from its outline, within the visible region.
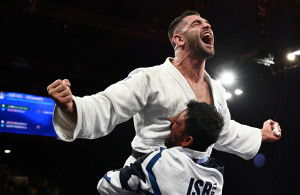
(26, 114)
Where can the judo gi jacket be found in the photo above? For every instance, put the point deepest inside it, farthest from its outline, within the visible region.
(151, 96)
(167, 172)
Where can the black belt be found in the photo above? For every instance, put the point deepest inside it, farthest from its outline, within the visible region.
(137, 154)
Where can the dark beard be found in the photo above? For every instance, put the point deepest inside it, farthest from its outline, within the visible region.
(169, 143)
(199, 50)
(207, 54)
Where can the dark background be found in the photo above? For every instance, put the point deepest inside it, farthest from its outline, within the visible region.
(96, 43)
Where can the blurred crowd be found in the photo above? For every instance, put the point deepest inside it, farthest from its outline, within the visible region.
(13, 182)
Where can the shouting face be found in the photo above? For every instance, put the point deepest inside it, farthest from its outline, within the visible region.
(199, 36)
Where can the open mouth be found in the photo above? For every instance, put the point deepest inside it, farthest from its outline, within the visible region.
(207, 38)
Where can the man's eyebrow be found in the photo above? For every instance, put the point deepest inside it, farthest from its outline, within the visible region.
(200, 21)
(184, 115)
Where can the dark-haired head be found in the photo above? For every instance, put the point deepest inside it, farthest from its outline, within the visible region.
(177, 21)
(197, 127)
(204, 123)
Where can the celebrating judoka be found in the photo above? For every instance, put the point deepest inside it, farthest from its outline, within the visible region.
(152, 95)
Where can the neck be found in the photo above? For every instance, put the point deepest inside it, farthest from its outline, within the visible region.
(191, 68)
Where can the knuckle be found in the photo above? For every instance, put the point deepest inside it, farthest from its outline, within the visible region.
(50, 92)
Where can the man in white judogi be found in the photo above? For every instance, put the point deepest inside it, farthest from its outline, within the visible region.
(152, 95)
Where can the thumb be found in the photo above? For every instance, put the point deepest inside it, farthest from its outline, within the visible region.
(271, 122)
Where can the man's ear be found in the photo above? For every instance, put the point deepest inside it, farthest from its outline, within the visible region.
(178, 40)
(188, 140)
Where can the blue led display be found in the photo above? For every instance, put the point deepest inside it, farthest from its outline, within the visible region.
(26, 114)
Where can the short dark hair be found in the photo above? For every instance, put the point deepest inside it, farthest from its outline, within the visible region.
(176, 21)
(204, 123)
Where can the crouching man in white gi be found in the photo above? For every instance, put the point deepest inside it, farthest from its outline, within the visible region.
(183, 168)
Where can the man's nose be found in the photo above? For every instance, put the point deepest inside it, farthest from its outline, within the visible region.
(207, 26)
(171, 119)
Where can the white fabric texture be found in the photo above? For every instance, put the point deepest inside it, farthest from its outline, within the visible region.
(166, 172)
(151, 96)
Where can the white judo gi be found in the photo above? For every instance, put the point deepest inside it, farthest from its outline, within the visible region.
(167, 172)
(151, 96)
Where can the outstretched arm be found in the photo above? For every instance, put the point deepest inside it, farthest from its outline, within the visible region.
(96, 115)
(240, 139)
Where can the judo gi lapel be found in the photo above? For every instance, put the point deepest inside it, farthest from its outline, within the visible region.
(216, 96)
(168, 66)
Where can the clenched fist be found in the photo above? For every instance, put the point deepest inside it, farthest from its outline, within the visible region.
(61, 93)
(268, 133)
